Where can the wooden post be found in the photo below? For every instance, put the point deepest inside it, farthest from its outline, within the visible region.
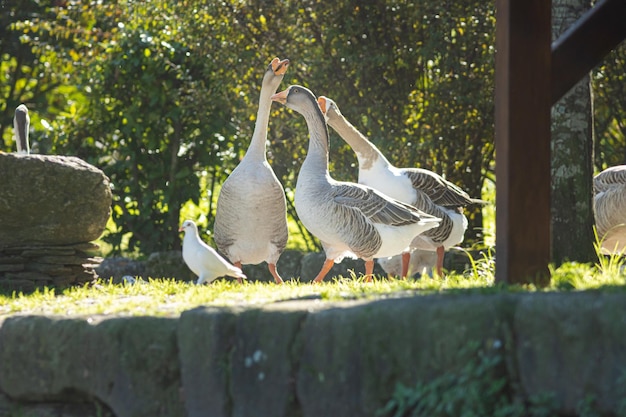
(523, 101)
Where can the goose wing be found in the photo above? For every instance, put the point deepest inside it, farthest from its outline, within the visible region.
(377, 207)
(440, 191)
(609, 178)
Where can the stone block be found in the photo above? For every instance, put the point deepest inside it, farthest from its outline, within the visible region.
(168, 264)
(572, 346)
(242, 363)
(51, 200)
(356, 353)
(130, 364)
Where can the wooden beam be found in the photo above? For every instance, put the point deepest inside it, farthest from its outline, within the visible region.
(523, 37)
(579, 49)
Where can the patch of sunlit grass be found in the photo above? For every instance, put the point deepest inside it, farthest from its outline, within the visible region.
(169, 297)
(608, 272)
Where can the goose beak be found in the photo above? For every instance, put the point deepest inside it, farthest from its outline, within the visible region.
(321, 100)
(281, 97)
(280, 67)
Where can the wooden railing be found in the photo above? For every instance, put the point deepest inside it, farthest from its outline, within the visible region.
(531, 75)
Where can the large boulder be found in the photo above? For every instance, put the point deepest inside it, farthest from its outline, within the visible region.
(51, 200)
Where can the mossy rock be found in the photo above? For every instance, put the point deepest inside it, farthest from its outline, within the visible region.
(51, 200)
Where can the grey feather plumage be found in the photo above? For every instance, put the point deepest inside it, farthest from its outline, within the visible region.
(251, 216)
(441, 191)
(423, 189)
(441, 233)
(610, 208)
(346, 217)
(378, 207)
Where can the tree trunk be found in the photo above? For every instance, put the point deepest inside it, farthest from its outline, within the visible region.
(572, 156)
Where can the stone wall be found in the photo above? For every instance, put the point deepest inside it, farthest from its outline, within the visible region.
(312, 358)
(51, 209)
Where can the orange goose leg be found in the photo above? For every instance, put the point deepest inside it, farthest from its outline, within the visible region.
(406, 258)
(277, 278)
(369, 270)
(328, 263)
(440, 253)
(238, 265)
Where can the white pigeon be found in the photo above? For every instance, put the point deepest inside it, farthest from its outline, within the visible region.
(203, 260)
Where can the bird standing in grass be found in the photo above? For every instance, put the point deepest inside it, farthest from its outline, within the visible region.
(251, 216)
(203, 260)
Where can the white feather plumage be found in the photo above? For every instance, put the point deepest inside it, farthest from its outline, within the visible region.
(203, 260)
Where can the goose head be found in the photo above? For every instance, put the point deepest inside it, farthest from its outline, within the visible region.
(329, 108)
(303, 101)
(300, 99)
(275, 72)
(279, 67)
(21, 123)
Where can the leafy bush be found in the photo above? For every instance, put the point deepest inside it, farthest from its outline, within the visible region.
(163, 95)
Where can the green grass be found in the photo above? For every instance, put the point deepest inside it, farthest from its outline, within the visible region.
(168, 297)
(171, 297)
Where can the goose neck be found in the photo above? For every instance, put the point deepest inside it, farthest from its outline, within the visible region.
(366, 151)
(257, 146)
(318, 137)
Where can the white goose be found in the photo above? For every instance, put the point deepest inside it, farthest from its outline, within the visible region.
(251, 216)
(349, 219)
(609, 206)
(418, 187)
(202, 259)
(21, 122)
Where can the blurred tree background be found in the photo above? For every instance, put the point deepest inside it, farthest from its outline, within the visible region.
(162, 95)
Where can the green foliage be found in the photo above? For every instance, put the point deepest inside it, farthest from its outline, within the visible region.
(609, 89)
(608, 271)
(163, 95)
(483, 267)
(156, 123)
(478, 389)
(32, 68)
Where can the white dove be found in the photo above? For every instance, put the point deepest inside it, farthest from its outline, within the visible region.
(203, 260)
